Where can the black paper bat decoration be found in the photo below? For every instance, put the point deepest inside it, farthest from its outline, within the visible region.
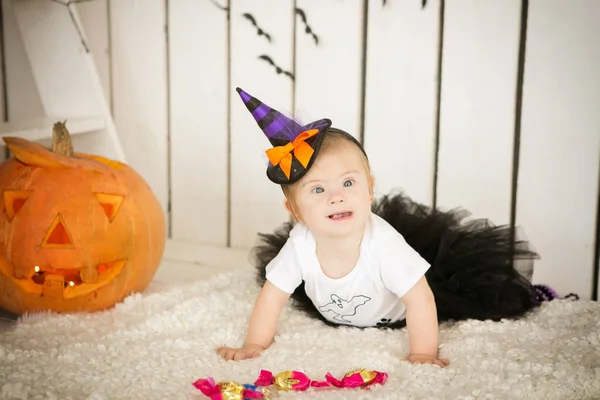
(278, 69)
(307, 29)
(219, 6)
(258, 29)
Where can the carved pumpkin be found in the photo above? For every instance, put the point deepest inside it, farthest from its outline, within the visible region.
(77, 232)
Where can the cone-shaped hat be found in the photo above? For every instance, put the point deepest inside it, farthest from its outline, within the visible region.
(295, 146)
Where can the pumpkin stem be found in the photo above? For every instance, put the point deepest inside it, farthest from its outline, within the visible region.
(61, 140)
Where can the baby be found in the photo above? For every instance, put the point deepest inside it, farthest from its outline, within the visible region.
(348, 265)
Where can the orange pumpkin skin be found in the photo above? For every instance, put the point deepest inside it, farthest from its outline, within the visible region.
(76, 233)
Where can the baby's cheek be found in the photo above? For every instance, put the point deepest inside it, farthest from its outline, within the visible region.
(361, 190)
(307, 205)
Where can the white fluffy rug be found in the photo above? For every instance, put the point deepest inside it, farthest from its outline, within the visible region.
(154, 346)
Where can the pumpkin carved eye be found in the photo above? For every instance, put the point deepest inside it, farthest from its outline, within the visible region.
(111, 203)
(58, 236)
(14, 200)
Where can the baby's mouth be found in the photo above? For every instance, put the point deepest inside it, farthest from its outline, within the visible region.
(344, 214)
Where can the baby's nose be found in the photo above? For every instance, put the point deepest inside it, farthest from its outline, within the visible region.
(337, 199)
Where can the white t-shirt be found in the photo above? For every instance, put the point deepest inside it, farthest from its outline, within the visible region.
(386, 269)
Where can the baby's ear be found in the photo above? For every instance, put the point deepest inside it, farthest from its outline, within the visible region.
(290, 209)
(287, 206)
(371, 185)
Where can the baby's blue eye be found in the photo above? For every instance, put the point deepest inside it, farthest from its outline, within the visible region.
(348, 182)
(318, 189)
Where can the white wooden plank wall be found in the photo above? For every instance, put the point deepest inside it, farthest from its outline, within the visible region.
(479, 73)
(557, 197)
(198, 75)
(171, 69)
(332, 51)
(401, 96)
(139, 87)
(256, 203)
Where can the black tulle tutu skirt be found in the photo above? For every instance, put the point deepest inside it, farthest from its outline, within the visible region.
(473, 272)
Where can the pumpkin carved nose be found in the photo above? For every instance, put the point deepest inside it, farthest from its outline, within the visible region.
(58, 236)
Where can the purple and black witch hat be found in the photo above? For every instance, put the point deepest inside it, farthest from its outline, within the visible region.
(295, 146)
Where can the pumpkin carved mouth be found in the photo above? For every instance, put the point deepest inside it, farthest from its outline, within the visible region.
(67, 283)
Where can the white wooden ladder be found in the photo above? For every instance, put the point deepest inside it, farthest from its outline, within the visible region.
(59, 80)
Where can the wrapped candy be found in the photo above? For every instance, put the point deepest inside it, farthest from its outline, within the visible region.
(287, 380)
(358, 378)
(229, 390)
(295, 380)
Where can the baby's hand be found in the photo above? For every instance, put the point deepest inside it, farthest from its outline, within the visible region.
(428, 359)
(248, 351)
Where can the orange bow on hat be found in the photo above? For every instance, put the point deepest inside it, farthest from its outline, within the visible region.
(282, 155)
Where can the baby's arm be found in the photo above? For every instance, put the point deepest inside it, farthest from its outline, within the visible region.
(422, 324)
(263, 324)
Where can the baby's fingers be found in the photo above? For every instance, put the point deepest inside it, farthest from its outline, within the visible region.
(241, 354)
(222, 350)
(244, 354)
(256, 353)
(225, 352)
(442, 362)
(228, 353)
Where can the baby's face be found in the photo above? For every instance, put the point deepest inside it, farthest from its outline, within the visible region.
(333, 199)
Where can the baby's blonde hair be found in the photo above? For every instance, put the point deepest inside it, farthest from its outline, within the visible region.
(333, 137)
